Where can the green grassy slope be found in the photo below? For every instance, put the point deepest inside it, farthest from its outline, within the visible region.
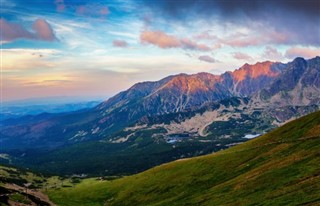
(278, 168)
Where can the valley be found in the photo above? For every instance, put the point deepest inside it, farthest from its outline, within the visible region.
(152, 123)
(280, 167)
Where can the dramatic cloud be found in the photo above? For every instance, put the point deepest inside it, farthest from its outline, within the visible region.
(165, 41)
(41, 31)
(297, 21)
(242, 56)
(120, 43)
(302, 52)
(271, 53)
(207, 58)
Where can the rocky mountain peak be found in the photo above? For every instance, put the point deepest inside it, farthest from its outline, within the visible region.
(254, 71)
(192, 83)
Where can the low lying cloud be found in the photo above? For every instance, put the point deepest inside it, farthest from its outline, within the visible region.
(207, 58)
(41, 30)
(305, 52)
(165, 41)
(120, 43)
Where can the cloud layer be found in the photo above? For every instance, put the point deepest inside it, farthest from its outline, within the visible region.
(296, 21)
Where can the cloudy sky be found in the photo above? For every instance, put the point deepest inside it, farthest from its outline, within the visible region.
(100, 47)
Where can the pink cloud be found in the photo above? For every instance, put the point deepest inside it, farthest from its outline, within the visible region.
(207, 58)
(159, 39)
(119, 43)
(165, 41)
(189, 44)
(12, 31)
(305, 52)
(242, 56)
(43, 30)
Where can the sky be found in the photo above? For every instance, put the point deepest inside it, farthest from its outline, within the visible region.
(101, 47)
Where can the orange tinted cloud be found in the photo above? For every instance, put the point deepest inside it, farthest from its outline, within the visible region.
(159, 39)
(43, 30)
(165, 41)
(305, 52)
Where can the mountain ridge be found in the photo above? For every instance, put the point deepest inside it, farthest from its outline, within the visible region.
(155, 122)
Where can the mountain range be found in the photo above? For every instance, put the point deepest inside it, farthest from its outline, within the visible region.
(179, 116)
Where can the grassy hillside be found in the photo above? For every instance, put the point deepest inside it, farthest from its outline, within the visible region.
(279, 168)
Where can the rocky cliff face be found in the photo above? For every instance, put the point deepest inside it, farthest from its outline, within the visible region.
(268, 85)
(180, 92)
(249, 79)
(299, 84)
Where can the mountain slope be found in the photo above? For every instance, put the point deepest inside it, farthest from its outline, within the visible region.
(182, 91)
(169, 95)
(157, 122)
(278, 168)
(298, 85)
